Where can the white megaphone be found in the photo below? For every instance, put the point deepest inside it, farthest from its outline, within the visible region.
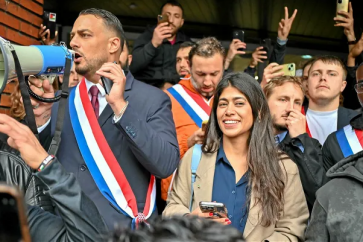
(34, 60)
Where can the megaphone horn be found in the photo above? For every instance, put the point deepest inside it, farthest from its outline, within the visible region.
(34, 60)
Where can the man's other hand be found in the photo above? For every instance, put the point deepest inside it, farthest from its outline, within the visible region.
(43, 88)
(196, 138)
(22, 139)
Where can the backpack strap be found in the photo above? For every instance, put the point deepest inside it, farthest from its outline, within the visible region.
(197, 155)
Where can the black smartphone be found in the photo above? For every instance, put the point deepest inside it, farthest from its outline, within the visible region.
(218, 209)
(240, 35)
(107, 83)
(49, 20)
(266, 44)
(13, 222)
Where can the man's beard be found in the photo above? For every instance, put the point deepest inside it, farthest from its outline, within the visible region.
(91, 66)
(196, 86)
(278, 127)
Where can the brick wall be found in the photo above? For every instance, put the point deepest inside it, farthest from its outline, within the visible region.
(19, 22)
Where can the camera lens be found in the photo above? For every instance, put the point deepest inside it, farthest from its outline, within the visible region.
(340, 1)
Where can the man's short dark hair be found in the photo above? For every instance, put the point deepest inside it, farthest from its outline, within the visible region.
(109, 19)
(186, 44)
(179, 229)
(174, 4)
(331, 59)
(206, 47)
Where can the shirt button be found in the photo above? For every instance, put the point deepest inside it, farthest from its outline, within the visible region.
(230, 216)
(83, 168)
(233, 192)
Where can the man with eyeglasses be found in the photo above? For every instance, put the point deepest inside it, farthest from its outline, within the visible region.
(348, 140)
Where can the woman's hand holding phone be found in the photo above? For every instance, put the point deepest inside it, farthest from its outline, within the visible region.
(209, 215)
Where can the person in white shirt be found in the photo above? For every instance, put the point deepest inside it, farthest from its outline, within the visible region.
(326, 82)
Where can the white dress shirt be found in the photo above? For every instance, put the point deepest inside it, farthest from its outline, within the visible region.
(102, 102)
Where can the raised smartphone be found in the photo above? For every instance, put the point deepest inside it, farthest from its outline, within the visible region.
(289, 69)
(163, 19)
(218, 209)
(107, 83)
(240, 35)
(49, 20)
(342, 5)
(13, 222)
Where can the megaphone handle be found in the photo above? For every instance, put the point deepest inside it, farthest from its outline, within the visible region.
(29, 118)
(53, 148)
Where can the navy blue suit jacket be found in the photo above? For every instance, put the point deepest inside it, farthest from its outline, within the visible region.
(144, 142)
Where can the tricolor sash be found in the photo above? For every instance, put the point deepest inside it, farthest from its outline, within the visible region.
(350, 140)
(193, 104)
(101, 162)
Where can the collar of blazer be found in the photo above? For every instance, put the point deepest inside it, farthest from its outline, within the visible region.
(203, 188)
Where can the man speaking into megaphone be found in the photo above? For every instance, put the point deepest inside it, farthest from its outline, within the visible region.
(115, 143)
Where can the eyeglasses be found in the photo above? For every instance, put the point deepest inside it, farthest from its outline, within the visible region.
(359, 87)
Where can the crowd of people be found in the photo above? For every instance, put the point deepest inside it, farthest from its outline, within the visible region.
(179, 128)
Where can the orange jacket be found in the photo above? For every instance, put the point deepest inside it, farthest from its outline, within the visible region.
(185, 127)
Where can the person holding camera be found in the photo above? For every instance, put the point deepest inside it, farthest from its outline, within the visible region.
(155, 50)
(241, 168)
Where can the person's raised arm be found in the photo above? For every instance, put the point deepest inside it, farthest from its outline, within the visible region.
(145, 47)
(234, 49)
(283, 32)
(77, 217)
(346, 21)
(152, 141)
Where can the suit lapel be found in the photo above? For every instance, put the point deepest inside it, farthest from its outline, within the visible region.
(107, 112)
(253, 216)
(203, 185)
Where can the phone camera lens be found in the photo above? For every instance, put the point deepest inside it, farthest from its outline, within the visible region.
(340, 1)
(5, 201)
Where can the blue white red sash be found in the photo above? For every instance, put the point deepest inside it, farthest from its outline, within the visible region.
(350, 140)
(194, 105)
(101, 161)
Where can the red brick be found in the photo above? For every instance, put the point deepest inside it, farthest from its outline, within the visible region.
(29, 29)
(37, 21)
(24, 14)
(3, 5)
(32, 6)
(17, 1)
(5, 111)
(9, 20)
(2, 30)
(18, 38)
(40, 1)
(10, 87)
(5, 101)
